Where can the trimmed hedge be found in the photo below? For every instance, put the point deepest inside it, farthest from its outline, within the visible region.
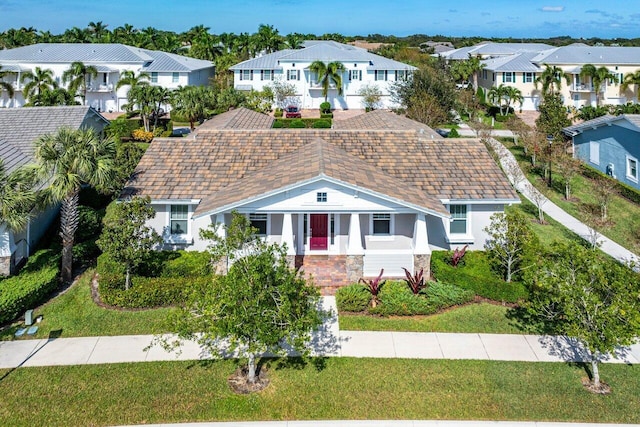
(396, 299)
(475, 274)
(296, 123)
(31, 286)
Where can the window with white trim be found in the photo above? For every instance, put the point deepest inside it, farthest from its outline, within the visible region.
(321, 197)
(382, 224)
(259, 221)
(528, 77)
(175, 77)
(293, 75)
(632, 168)
(458, 224)
(401, 75)
(355, 75)
(154, 77)
(246, 75)
(381, 75)
(594, 152)
(266, 75)
(508, 77)
(178, 220)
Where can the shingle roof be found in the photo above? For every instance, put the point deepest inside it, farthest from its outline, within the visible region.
(198, 168)
(322, 51)
(96, 53)
(317, 159)
(384, 120)
(597, 55)
(240, 118)
(20, 127)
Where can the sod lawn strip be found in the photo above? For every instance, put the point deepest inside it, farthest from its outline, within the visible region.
(334, 388)
(473, 318)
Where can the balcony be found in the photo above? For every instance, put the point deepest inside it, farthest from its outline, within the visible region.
(101, 88)
(580, 88)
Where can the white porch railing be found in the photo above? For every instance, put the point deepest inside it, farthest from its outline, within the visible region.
(391, 261)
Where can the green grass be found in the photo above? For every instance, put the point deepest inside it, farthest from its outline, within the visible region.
(340, 388)
(624, 215)
(74, 314)
(551, 231)
(472, 318)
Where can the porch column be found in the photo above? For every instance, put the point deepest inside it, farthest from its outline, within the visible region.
(222, 266)
(7, 251)
(421, 250)
(355, 251)
(287, 239)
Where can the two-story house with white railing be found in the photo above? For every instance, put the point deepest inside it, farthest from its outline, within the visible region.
(362, 68)
(164, 69)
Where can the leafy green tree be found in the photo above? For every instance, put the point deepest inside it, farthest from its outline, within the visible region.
(631, 79)
(598, 76)
(37, 82)
(328, 74)
(17, 198)
(126, 237)
(131, 79)
(6, 85)
(371, 96)
(511, 243)
(283, 92)
(194, 103)
(259, 306)
(578, 294)
(78, 76)
(553, 117)
(260, 100)
(148, 100)
(551, 80)
(67, 160)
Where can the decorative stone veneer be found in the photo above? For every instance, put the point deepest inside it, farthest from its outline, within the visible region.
(220, 267)
(291, 261)
(422, 261)
(355, 267)
(7, 265)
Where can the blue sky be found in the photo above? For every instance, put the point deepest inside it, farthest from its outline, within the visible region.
(498, 18)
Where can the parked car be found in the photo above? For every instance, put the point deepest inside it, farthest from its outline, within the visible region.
(292, 112)
(463, 85)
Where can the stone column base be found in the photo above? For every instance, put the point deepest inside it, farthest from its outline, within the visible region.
(220, 267)
(7, 265)
(422, 261)
(355, 266)
(291, 261)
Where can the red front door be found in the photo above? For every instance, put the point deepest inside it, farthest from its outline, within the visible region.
(319, 226)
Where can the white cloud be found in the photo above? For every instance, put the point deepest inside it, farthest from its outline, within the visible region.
(552, 8)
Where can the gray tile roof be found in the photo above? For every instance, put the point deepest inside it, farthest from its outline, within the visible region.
(100, 53)
(239, 118)
(596, 55)
(323, 51)
(520, 62)
(384, 120)
(21, 127)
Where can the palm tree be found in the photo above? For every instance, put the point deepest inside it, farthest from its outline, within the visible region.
(66, 161)
(77, 77)
(129, 78)
(17, 198)
(631, 79)
(193, 103)
(551, 79)
(98, 30)
(6, 85)
(513, 95)
(498, 94)
(598, 76)
(39, 81)
(327, 74)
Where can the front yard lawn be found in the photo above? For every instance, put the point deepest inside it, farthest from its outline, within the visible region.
(74, 314)
(334, 388)
(471, 318)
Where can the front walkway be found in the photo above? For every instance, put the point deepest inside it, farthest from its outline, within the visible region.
(520, 182)
(328, 341)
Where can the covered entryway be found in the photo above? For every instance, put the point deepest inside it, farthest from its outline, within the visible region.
(319, 232)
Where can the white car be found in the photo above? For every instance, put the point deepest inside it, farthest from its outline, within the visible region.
(463, 85)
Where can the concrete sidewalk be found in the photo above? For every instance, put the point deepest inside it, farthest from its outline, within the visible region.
(327, 341)
(520, 182)
(387, 423)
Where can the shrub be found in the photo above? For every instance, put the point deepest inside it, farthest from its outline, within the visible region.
(442, 295)
(32, 286)
(89, 224)
(188, 264)
(501, 119)
(122, 128)
(278, 112)
(353, 298)
(326, 115)
(322, 124)
(453, 134)
(476, 275)
(297, 124)
(278, 124)
(325, 107)
(396, 299)
(142, 135)
(147, 292)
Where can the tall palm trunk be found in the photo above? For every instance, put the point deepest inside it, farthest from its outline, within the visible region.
(69, 219)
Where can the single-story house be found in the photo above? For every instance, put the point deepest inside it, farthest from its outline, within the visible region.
(377, 191)
(19, 129)
(609, 144)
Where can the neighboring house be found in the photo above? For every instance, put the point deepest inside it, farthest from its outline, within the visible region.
(521, 67)
(362, 68)
(19, 129)
(165, 69)
(376, 191)
(609, 144)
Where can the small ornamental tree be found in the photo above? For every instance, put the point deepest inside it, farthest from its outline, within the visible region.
(580, 295)
(510, 242)
(125, 236)
(371, 97)
(260, 305)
